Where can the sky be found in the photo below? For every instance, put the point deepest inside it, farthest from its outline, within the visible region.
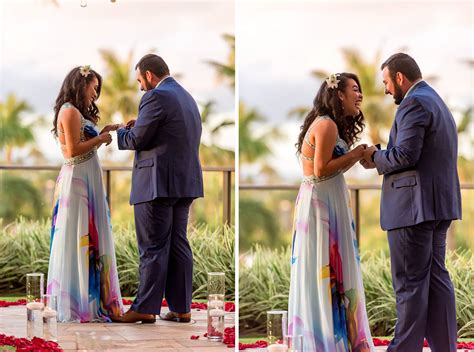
(41, 42)
(281, 42)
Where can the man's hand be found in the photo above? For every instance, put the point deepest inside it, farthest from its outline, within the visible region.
(368, 153)
(110, 128)
(130, 124)
(366, 164)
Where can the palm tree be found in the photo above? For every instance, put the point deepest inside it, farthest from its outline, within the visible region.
(20, 196)
(13, 132)
(211, 153)
(226, 71)
(253, 147)
(378, 111)
(119, 90)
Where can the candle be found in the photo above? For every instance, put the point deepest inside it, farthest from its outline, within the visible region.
(216, 313)
(35, 305)
(216, 304)
(277, 348)
(49, 313)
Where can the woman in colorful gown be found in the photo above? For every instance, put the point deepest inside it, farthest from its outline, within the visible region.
(326, 302)
(82, 267)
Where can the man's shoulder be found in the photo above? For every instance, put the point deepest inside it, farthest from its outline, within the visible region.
(423, 95)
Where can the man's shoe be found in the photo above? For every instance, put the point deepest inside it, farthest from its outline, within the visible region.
(133, 317)
(177, 317)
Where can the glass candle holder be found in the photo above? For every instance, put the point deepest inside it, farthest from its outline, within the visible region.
(215, 306)
(50, 317)
(277, 329)
(34, 287)
(34, 305)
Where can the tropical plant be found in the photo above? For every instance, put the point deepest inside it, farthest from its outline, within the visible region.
(211, 153)
(254, 146)
(378, 112)
(263, 227)
(226, 70)
(19, 196)
(119, 89)
(24, 248)
(265, 279)
(13, 131)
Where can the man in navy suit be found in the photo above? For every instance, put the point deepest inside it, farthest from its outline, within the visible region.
(166, 178)
(420, 198)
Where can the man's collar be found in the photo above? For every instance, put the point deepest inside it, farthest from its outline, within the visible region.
(413, 86)
(165, 77)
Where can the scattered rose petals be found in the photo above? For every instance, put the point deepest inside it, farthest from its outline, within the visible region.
(20, 302)
(33, 345)
(229, 307)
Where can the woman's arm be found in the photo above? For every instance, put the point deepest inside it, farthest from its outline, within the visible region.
(71, 124)
(325, 135)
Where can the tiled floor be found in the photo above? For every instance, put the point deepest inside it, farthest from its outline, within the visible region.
(162, 336)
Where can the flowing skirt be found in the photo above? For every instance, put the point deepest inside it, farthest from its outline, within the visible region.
(82, 266)
(326, 303)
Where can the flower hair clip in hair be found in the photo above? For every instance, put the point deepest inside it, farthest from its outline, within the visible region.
(332, 80)
(85, 70)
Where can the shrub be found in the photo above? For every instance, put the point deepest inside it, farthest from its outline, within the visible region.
(24, 248)
(265, 280)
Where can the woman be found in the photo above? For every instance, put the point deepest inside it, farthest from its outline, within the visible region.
(326, 303)
(82, 268)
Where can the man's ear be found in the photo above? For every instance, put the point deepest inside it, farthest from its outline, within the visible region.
(400, 78)
(149, 75)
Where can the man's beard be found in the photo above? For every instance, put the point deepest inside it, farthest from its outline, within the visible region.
(148, 85)
(397, 94)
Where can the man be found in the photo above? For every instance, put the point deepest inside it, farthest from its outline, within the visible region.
(420, 198)
(166, 177)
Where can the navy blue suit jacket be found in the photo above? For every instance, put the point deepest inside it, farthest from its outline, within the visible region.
(420, 164)
(166, 139)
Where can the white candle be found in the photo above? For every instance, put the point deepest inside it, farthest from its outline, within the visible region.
(216, 304)
(216, 313)
(277, 348)
(35, 305)
(49, 313)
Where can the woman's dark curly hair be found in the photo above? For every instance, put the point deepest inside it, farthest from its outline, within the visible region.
(327, 103)
(73, 91)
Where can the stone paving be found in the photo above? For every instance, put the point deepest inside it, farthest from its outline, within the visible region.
(162, 336)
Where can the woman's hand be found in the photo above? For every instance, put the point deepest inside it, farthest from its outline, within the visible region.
(105, 137)
(110, 128)
(358, 152)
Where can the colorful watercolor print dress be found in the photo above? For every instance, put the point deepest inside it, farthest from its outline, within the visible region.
(82, 267)
(327, 303)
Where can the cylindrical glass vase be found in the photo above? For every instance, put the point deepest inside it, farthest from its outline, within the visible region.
(34, 304)
(277, 329)
(215, 306)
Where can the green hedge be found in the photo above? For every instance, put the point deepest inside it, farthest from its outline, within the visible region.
(265, 280)
(24, 248)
